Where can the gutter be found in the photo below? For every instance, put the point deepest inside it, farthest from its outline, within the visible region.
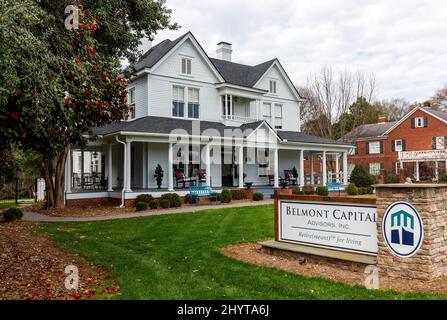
(125, 178)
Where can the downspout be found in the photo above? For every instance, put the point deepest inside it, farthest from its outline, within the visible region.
(125, 178)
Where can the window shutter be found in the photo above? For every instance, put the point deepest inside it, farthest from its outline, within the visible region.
(404, 145)
(425, 122)
(393, 145)
(433, 143)
(413, 123)
(381, 146)
(445, 142)
(367, 147)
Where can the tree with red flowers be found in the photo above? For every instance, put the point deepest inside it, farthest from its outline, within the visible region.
(57, 84)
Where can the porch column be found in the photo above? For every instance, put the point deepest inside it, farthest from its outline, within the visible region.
(276, 168)
(337, 168)
(68, 172)
(301, 168)
(208, 164)
(128, 164)
(241, 166)
(170, 168)
(109, 168)
(82, 170)
(417, 171)
(437, 171)
(312, 177)
(345, 168)
(231, 107)
(144, 165)
(324, 168)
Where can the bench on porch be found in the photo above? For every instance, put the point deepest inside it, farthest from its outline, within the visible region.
(332, 186)
(197, 192)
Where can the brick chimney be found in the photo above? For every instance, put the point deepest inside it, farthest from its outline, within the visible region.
(382, 119)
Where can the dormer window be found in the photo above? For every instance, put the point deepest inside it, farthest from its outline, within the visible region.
(186, 66)
(131, 102)
(272, 88)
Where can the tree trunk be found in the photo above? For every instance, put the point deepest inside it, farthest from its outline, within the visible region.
(55, 189)
(59, 184)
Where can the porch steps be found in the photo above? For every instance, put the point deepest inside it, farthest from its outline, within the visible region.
(267, 192)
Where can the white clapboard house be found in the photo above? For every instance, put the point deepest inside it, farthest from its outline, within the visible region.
(209, 119)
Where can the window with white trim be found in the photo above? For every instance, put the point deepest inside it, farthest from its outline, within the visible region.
(374, 168)
(374, 147)
(131, 100)
(419, 122)
(186, 66)
(398, 145)
(440, 143)
(193, 103)
(272, 86)
(178, 101)
(267, 112)
(278, 116)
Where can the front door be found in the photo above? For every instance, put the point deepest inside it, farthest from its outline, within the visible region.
(227, 167)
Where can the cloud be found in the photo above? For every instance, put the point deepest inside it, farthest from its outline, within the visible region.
(403, 42)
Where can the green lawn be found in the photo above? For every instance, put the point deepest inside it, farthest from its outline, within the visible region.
(177, 257)
(6, 204)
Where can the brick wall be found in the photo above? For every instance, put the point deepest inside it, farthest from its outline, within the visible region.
(416, 139)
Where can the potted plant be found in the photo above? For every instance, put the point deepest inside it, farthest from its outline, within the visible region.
(158, 175)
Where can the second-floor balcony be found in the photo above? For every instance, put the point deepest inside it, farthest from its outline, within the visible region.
(241, 119)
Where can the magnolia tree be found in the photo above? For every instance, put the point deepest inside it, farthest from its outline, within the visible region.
(58, 83)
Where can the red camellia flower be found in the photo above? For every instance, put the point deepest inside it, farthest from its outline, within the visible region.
(103, 75)
(86, 92)
(94, 52)
(93, 26)
(15, 115)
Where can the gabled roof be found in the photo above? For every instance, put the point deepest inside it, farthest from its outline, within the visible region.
(162, 125)
(240, 74)
(231, 72)
(369, 131)
(154, 54)
(440, 115)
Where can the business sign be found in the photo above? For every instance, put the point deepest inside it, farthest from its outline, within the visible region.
(338, 226)
(402, 229)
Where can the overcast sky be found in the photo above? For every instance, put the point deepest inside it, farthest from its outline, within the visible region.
(403, 42)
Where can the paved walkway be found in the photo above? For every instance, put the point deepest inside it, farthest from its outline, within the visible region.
(36, 217)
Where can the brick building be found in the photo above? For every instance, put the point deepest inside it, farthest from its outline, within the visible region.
(414, 146)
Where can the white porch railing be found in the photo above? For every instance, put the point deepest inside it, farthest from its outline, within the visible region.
(241, 119)
(427, 155)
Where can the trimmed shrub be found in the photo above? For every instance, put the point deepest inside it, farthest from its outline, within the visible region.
(323, 191)
(297, 191)
(392, 178)
(258, 196)
(12, 214)
(225, 196)
(153, 204)
(308, 190)
(165, 203)
(141, 206)
(370, 190)
(237, 194)
(352, 190)
(361, 177)
(174, 199)
(144, 198)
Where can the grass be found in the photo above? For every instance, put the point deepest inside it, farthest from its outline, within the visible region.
(177, 257)
(6, 204)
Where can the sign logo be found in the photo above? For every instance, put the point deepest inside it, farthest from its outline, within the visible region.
(402, 229)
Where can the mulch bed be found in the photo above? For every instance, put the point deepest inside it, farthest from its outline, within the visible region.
(251, 253)
(32, 268)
